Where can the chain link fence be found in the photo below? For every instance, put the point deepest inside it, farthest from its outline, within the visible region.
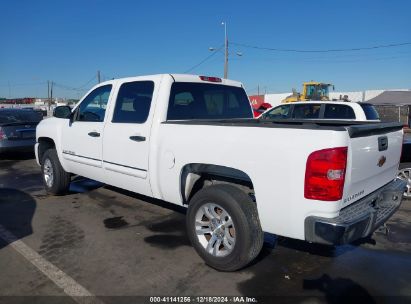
(394, 113)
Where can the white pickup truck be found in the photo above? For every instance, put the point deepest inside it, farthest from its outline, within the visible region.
(331, 110)
(189, 140)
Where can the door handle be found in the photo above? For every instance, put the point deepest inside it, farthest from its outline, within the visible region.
(94, 134)
(138, 138)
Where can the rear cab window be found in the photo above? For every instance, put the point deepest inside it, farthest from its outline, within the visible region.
(207, 101)
(370, 111)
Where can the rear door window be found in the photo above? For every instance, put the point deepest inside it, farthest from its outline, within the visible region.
(207, 101)
(133, 102)
(306, 111)
(338, 111)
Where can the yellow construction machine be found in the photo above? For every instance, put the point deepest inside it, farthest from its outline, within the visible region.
(312, 90)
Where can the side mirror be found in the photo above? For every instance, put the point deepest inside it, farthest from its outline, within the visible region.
(62, 112)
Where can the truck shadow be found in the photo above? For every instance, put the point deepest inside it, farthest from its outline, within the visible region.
(170, 233)
(154, 201)
(81, 184)
(288, 272)
(319, 249)
(16, 213)
(338, 290)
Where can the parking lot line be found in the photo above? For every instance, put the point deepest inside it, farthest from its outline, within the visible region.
(70, 287)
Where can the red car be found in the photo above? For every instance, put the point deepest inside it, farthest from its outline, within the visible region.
(262, 108)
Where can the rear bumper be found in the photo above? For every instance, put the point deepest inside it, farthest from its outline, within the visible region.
(357, 220)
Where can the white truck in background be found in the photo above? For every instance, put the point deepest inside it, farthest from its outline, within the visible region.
(189, 140)
(326, 110)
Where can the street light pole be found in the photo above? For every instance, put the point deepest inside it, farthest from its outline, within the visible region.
(225, 50)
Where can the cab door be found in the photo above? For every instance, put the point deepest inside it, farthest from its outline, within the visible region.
(126, 139)
(83, 137)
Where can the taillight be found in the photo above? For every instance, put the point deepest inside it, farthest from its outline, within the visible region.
(210, 79)
(2, 134)
(325, 174)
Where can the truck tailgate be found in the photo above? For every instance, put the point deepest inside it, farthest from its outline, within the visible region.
(373, 161)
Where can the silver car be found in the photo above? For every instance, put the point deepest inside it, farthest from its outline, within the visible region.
(18, 129)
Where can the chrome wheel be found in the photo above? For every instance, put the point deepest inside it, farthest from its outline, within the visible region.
(215, 230)
(48, 173)
(404, 174)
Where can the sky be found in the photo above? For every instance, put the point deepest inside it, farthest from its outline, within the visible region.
(67, 42)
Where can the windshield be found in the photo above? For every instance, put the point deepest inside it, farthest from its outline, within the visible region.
(317, 92)
(17, 116)
(280, 112)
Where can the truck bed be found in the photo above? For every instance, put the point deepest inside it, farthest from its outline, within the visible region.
(354, 128)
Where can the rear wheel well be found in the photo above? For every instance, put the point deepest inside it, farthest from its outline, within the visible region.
(45, 143)
(195, 177)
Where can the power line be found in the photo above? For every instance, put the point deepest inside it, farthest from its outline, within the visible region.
(69, 88)
(330, 57)
(79, 88)
(104, 77)
(321, 51)
(326, 60)
(87, 83)
(204, 60)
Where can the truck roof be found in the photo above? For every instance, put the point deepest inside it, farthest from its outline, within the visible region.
(326, 102)
(178, 78)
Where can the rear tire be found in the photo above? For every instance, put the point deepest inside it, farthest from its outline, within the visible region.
(224, 228)
(56, 181)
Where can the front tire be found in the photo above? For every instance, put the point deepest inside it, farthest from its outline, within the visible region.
(224, 228)
(56, 181)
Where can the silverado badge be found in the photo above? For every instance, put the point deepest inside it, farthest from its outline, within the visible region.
(381, 161)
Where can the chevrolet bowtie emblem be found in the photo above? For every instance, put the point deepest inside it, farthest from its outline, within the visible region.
(381, 161)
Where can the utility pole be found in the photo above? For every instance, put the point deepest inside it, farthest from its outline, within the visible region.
(51, 93)
(48, 94)
(258, 90)
(225, 50)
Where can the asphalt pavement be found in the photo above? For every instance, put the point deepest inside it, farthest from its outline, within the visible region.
(104, 242)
